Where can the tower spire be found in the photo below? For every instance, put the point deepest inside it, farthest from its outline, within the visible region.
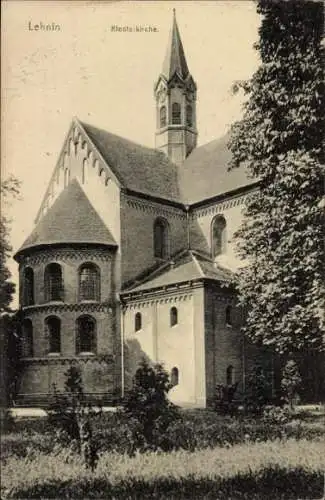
(175, 60)
(175, 94)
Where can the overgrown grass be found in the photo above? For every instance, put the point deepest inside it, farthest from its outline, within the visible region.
(278, 469)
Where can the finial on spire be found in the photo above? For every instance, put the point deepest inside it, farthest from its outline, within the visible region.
(174, 12)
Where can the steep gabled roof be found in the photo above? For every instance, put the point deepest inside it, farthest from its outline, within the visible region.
(189, 267)
(204, 174)
(138, 168)
(71, 219)
(175, 61)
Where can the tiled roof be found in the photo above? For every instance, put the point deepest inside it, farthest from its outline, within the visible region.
(175, 61)
(137, 167)
(189, 267)
(71, 219)
(204, 174)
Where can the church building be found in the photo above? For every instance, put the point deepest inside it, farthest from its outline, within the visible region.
(132, 255)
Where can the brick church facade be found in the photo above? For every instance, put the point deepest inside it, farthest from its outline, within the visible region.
(132, 255)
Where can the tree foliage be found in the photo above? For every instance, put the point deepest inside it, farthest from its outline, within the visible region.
(279, 143)
(9, 189)
(148, 406)
(291, 380)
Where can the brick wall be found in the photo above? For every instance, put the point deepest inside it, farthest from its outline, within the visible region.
(44, 369)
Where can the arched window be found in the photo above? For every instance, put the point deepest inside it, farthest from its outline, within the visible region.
(176, 113)
(174, 376)
(27, 338)
(230, 375)
(86, 335)
(53, 330)
(218, 230)
(229, 316)
(89, 282)
(53, 282)
(161, 238)
(163, 117)
(28, 287)
(189, 116)
(137, 322)
(173, 316)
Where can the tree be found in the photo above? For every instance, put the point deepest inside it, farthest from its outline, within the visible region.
(148, 406)
(291, 380)
(9, 322)
(279, 143)
(9, 189)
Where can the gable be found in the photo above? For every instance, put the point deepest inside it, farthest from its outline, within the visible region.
(78, 157)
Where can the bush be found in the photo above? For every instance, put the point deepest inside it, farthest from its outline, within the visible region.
(71, 414)
(291, 381)
(148, 409)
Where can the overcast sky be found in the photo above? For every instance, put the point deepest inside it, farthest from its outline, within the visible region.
(106, 78)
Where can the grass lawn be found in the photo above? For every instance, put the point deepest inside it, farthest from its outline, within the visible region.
(33, 466)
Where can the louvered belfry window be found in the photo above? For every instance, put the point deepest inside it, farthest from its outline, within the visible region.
(89, 282)
(176, 114)
(163, 117)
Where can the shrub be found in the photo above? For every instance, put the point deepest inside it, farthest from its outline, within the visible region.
(71, 413)
(291, 381)
(148, 408)
(258, 391)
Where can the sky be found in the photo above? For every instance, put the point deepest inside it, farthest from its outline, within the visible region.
(106, 78)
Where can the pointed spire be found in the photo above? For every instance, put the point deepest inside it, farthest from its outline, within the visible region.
(175, 61)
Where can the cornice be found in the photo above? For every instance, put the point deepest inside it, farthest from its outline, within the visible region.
(155, 201)
(217, 206)
(163, 294)
(60, 307)
(154, 207)
(65, 360)
(39, 256)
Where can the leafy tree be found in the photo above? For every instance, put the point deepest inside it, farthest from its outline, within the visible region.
(148, 406)
(9, 188)
(291, 380)
(9, 322)
(279, 143)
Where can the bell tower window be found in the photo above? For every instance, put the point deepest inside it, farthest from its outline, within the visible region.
(176, 114)
(163, 117)
(189, 116)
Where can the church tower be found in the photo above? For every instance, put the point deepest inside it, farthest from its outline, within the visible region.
(175, 94)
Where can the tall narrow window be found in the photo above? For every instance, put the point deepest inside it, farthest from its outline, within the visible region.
(229, 316)
(53, 282)
(176, 114)
(28, 287)
(27, 338)
(189, 116)
(84, 171)
(137, 322)
(161, 238)
(163, 117)
(173, 316)
(86, 335)
(230, 375)
(174, 376)
(53, 329)
(218, 235)
(89, 282)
